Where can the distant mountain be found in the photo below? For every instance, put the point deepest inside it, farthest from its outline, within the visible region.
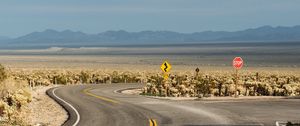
(51, 37)
(4, 38)
(265, 33)
(60, 38)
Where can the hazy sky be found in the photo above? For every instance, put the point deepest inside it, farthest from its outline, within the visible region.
(19, 17)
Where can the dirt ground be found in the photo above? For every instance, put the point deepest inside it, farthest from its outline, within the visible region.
(128, 63)
(43, 110)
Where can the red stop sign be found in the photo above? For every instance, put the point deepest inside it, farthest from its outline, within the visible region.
(237, 63)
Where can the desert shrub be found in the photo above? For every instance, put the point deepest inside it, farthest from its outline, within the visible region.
(222, 84)
(14, 96)
(115, 78)
(3, 74)
(203, 85)
(185, 84)
(48, 77)
(85, 76)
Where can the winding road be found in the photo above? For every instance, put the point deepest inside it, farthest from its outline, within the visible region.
(103, 105)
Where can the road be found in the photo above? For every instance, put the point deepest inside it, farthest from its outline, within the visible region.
(102, 105)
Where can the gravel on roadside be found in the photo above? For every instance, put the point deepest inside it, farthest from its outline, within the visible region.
(44, 111)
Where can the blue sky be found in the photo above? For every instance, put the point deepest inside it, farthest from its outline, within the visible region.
(93, 16)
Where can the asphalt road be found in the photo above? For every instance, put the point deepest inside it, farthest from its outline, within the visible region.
(101, 105)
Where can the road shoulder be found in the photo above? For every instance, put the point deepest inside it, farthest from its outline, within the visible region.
(44, 110)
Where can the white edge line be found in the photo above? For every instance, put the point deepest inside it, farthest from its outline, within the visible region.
(116, 91)
(77, 114)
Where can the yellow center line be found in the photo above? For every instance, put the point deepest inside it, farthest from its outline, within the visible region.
(86, 91)
(152, 122)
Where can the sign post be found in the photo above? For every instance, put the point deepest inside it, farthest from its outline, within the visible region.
(197, 70)
(165, 67)
(237, 63)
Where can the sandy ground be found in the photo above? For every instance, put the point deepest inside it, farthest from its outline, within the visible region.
(129, 63)
(44, 110)
(132, 91)
(274, 57)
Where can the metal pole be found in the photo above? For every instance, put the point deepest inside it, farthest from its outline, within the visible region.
(236, 83)
(55, 81)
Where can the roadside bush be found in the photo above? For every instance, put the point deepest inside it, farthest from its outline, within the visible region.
(14, 96)
(181, 84)
(3, 74)
(222, 84)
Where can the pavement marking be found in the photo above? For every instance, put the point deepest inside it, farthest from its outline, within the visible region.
(76, 112)
(152, 122)
(86, 91)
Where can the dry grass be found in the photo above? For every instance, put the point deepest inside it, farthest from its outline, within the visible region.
(20, 105)
(222, 83)
(15, 95)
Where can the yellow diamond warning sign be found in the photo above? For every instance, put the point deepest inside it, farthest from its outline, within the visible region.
(165, 67)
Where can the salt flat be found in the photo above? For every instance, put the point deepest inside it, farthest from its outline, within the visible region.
(212, 56)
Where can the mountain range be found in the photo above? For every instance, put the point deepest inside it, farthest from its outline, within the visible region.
(51, 37)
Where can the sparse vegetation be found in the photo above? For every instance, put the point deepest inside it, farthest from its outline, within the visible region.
(222, 84)
(66, 77)
(178, 85)
(14, 95)
(3, 74)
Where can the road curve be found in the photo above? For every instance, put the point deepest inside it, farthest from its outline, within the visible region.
(101, 105)
(74, 116)
(97, 110)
